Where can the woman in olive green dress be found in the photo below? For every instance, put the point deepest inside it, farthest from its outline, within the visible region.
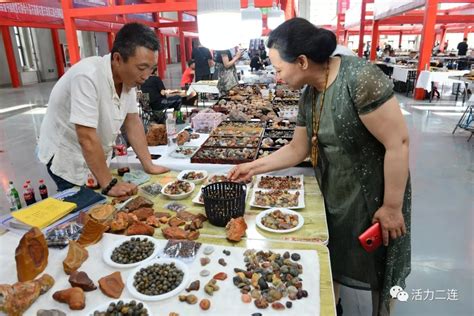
(350, 123)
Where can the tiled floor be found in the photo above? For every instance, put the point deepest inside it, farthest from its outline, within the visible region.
(442, 178)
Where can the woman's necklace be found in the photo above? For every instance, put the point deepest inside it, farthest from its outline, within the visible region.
(316, 120)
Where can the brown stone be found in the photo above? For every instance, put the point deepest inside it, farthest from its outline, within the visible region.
(201, 217)
(112, 285)
(205, 304)
(156, 135)
(17, 298)
(153, 221)
(82, 280)
(143, 213)
(174, 233)
(175, 222)
(120, 199)
(194, 286)
(278, 306)
(119, 223)
(235, 229)
(76, 255)
(183, 137)
(193, 235)
(102, 213)
(91, 233)
(221, 276)
(261, 303)
(162, 214)
(31, 255)
(140, 228)
(186, 216)
(138, 202)
(74, 297)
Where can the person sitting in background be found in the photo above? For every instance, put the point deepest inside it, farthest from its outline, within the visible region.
(160, 99)
(226, 71)
(256, 63)
(413, 55)
(188, 74)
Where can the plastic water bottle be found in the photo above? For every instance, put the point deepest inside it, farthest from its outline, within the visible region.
(171, 132)
(14, 198)
(120, 149)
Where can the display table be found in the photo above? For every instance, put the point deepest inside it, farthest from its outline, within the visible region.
(221, 301)
(179, 164)
(315, 224)
(307, 241)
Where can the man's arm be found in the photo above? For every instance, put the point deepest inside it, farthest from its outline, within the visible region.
(94, 154)
(95, 159)
(136, 136)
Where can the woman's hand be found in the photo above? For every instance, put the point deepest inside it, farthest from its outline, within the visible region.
(392, 222)
(242, 173)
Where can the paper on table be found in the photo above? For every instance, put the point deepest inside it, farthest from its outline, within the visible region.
(44, 213)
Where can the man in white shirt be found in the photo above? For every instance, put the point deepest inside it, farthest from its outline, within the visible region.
(89, 105)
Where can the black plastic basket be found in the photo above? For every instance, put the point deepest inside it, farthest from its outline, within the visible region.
(223, 201)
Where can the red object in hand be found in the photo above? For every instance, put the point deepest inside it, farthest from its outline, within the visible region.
(371, 239)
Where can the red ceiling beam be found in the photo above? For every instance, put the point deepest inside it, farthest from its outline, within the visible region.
(134, 9)
(440, 19)
(454, 1)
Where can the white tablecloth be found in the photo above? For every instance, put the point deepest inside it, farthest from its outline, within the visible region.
(225, 301)
(177, 164)
(401, 73)
(426, 77)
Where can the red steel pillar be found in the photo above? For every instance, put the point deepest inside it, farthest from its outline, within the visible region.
(288, 6)
(427, 37)
(346, 37)
(168, 50)
(110, 40)
(400, 39)
(189, 48)
(182, 50)
(161, 57)
(443, 38)
(362, 29)
(375, 40)
(7, 42)
(466, 32)
(71, 32)
(162, 52)
(58, 54)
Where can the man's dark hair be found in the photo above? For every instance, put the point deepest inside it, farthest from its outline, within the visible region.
(298, 36)
(133, 35)
(465, 39)
(190, 62)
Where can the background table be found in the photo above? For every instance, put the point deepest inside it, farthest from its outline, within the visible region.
(426, 78)
(179, 164)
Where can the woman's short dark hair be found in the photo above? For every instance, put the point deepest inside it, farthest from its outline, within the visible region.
(190, 62)
(133, 35)
(298, 36)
